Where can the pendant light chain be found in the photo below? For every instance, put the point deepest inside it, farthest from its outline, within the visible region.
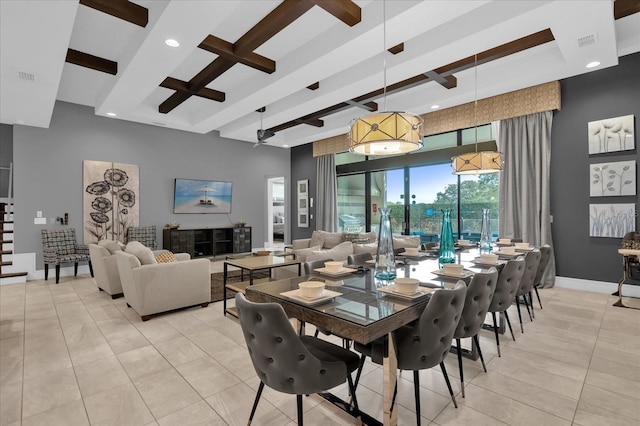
(384, 56)
(475, 105)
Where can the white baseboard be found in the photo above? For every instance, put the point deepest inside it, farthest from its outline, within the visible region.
(597, 286)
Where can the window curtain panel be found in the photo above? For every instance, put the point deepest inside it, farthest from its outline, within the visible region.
(327, 194)
(524, 205)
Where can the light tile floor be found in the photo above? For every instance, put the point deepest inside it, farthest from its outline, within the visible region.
(69, 355)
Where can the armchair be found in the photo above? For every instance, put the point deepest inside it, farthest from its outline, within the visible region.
(103, 259)
(160, 287)
(60, 247)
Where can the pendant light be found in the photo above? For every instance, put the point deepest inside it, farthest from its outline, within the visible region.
(476, 163)
(389, 132)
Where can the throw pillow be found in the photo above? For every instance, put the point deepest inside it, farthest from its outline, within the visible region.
(337, 253)
(371, 236)
(317, 239)
(165, 256)
(406, 241)
(365, 248)
(350, 236)
(301, 254)
(144, 254)
(112, 246)
(332, 239)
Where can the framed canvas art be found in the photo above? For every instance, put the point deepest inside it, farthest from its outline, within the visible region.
(611, 220)
(611, 135)
(617, 178)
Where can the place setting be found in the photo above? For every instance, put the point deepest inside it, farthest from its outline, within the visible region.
(453, 271)
(465, 244)
(523, 247)
(405, 288)
(335, 269)
(413, 252)
(311, 293)
(508, 251)
(488, 259)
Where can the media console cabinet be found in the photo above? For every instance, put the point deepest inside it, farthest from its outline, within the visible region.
(207, 241)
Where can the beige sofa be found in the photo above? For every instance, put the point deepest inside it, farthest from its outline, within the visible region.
(159, 287)
(339, 245)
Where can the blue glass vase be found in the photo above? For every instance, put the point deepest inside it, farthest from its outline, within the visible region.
(485, 233)
(447, 253)
(385, 258)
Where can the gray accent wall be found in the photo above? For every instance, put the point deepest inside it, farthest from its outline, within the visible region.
(49, 168)
(597, 95)
(303, 166)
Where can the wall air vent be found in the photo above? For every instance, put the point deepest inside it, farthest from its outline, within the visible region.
(587, 40)
(26, 76)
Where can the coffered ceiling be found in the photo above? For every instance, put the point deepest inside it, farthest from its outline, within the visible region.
(314, 64)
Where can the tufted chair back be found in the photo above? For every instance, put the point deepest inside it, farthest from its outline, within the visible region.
(507, 285)
(279, 357)
(545, 257)
(314, 264)
(145, 235)
(427, 343)
(531, 263)
(476, 304)
(358, 259)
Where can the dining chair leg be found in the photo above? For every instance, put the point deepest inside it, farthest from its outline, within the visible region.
(362, 360)
(531, 303)
(477, 342)
(538, 296)
(316, 333)
(299, 404)
(255, 403)
(526, 304)
(459, 350)
(446, 379)
(495, 330)
(75, 269)
(416, 391)
(506, 316)
(519, 314)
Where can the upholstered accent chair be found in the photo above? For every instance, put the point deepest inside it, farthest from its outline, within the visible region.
(425, 343)
(60, 247)
(160, 287)
(545, 257)
(146, 235)
(103, 258)
(476, 304)
(287, 362)
(506, 287)
(531, 263)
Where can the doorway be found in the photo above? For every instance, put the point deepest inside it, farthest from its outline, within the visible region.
(276, 216)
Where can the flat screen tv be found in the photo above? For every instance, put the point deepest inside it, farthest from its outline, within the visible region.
(201, 196)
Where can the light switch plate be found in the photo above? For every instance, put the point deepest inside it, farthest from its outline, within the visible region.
(39, 220)
(39, 213)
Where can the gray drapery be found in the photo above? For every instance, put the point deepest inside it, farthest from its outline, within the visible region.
(524, 205)
(327, 194)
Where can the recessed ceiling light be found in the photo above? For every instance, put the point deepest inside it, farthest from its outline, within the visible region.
(111, 114)
(285, 146)
(593, 64)
(435, 106)
(171, 42)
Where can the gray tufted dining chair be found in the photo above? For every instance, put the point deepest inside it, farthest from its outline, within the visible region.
(531, 263)
(476, 304)
(545, 257)
(314, 264)
(359, 259)
(506, 287)
(288, 363)
(425, 343)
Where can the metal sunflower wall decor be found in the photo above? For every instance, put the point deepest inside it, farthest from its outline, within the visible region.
(111, 202)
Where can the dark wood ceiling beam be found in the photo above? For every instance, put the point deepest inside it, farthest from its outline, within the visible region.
(398, 48)
(448, 82)
(444, 72)
(121, 9)
(346, 11)
(212, 71)
(183, 86)
(622, 8)
(314, 86)
(315, 122)
(173, 101)
(89, 61)
(225, 49)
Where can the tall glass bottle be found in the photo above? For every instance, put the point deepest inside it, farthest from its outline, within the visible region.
(485, 233)
(385, 258)
(447, 253)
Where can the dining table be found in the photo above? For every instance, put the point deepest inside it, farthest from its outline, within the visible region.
(357, 306)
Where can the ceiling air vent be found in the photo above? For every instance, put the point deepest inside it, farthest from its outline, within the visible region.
(587, 40)
(26, 76)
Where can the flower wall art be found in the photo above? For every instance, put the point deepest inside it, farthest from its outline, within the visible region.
(612, 179)
(611, 135)
(111, 200)
(611, 220)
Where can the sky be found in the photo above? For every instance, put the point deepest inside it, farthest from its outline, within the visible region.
(426, 182)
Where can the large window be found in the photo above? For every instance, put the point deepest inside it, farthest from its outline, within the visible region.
(417, 193)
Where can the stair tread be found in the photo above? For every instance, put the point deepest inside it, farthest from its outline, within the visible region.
(5, 221)
(6, 241)
(6, 231)
(13, 274)
(6, 263)
(6, 252)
